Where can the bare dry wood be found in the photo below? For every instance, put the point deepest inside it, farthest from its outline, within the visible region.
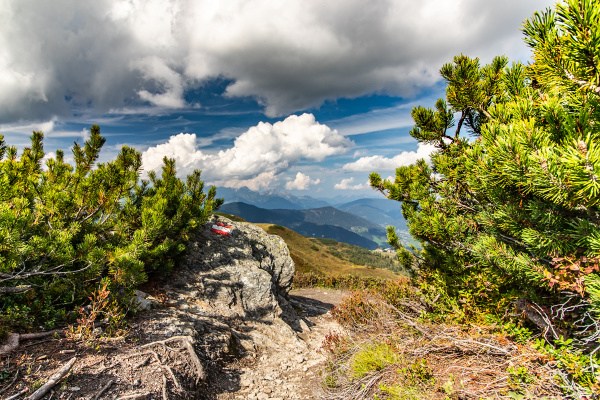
(17, 395)
(39, 335)
(11, 383)
(54, 379)
(14, 289)
(165, 396)
(14, 339)
(12, 342)
(134, 396)
(103, 389)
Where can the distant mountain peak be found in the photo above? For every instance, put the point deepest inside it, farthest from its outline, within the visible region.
(270, 200)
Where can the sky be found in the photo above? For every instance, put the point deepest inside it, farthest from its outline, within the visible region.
(299, 96)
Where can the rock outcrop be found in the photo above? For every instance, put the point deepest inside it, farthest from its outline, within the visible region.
(230, 294)
(222, 327)
(250, 271)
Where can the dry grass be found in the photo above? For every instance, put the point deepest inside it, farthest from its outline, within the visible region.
(312, 256)
(435, 361)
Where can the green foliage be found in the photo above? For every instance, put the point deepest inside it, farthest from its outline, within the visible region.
(517, 209)
(509, 205)
(519, 334)
(64, 227)
(519, 377)
(581, 370)
(372, 358)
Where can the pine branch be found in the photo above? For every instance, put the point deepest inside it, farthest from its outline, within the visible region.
(582, 83)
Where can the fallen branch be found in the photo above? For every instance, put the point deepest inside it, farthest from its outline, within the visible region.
(103, 389)
(14, 289)
(135, 396)
(14, 339)
(54, 379)
(17, 395)
(39, 335)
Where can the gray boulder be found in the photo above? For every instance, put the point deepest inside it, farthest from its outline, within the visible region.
(248, 272)
(227, 285)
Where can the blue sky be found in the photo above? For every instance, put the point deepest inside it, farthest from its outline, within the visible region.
(302, 96)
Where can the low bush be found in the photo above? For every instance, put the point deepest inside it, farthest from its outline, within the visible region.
(65, 228)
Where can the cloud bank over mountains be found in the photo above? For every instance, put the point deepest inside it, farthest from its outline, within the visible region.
(257, 157)
(377, 162)
(61, 57)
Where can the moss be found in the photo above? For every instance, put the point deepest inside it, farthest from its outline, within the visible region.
(373, 358)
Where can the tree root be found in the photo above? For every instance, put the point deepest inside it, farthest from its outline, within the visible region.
(14, 339)
(187, 343)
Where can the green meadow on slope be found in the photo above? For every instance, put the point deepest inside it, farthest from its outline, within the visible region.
(330, 258)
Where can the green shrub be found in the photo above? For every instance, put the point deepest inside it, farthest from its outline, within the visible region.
(372, 358)
(64, 227)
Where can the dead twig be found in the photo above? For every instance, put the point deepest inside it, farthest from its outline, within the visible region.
(134, 396)
(11, 383)
(17, 395)
(459, 342)
(165, 396)
(54, 379)
(103, 389)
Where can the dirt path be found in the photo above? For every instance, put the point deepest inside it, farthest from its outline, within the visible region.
(278, 363)
(287, 367)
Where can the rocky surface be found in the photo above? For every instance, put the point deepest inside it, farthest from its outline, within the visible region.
(286, 367)
(223, 327)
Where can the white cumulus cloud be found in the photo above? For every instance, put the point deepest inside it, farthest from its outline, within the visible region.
(377, 162)
(301, 182)
(181, 147)
(257, 156)
(348, 184)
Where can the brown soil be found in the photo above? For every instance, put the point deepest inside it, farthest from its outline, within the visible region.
(280, 367)
(290, 369)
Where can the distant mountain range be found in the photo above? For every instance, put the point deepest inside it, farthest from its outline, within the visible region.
(360, 222)
(270, 201)
(326, 222)
(383, 212)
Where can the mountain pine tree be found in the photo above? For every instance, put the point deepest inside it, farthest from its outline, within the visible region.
(509, 205)
(65, 227)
